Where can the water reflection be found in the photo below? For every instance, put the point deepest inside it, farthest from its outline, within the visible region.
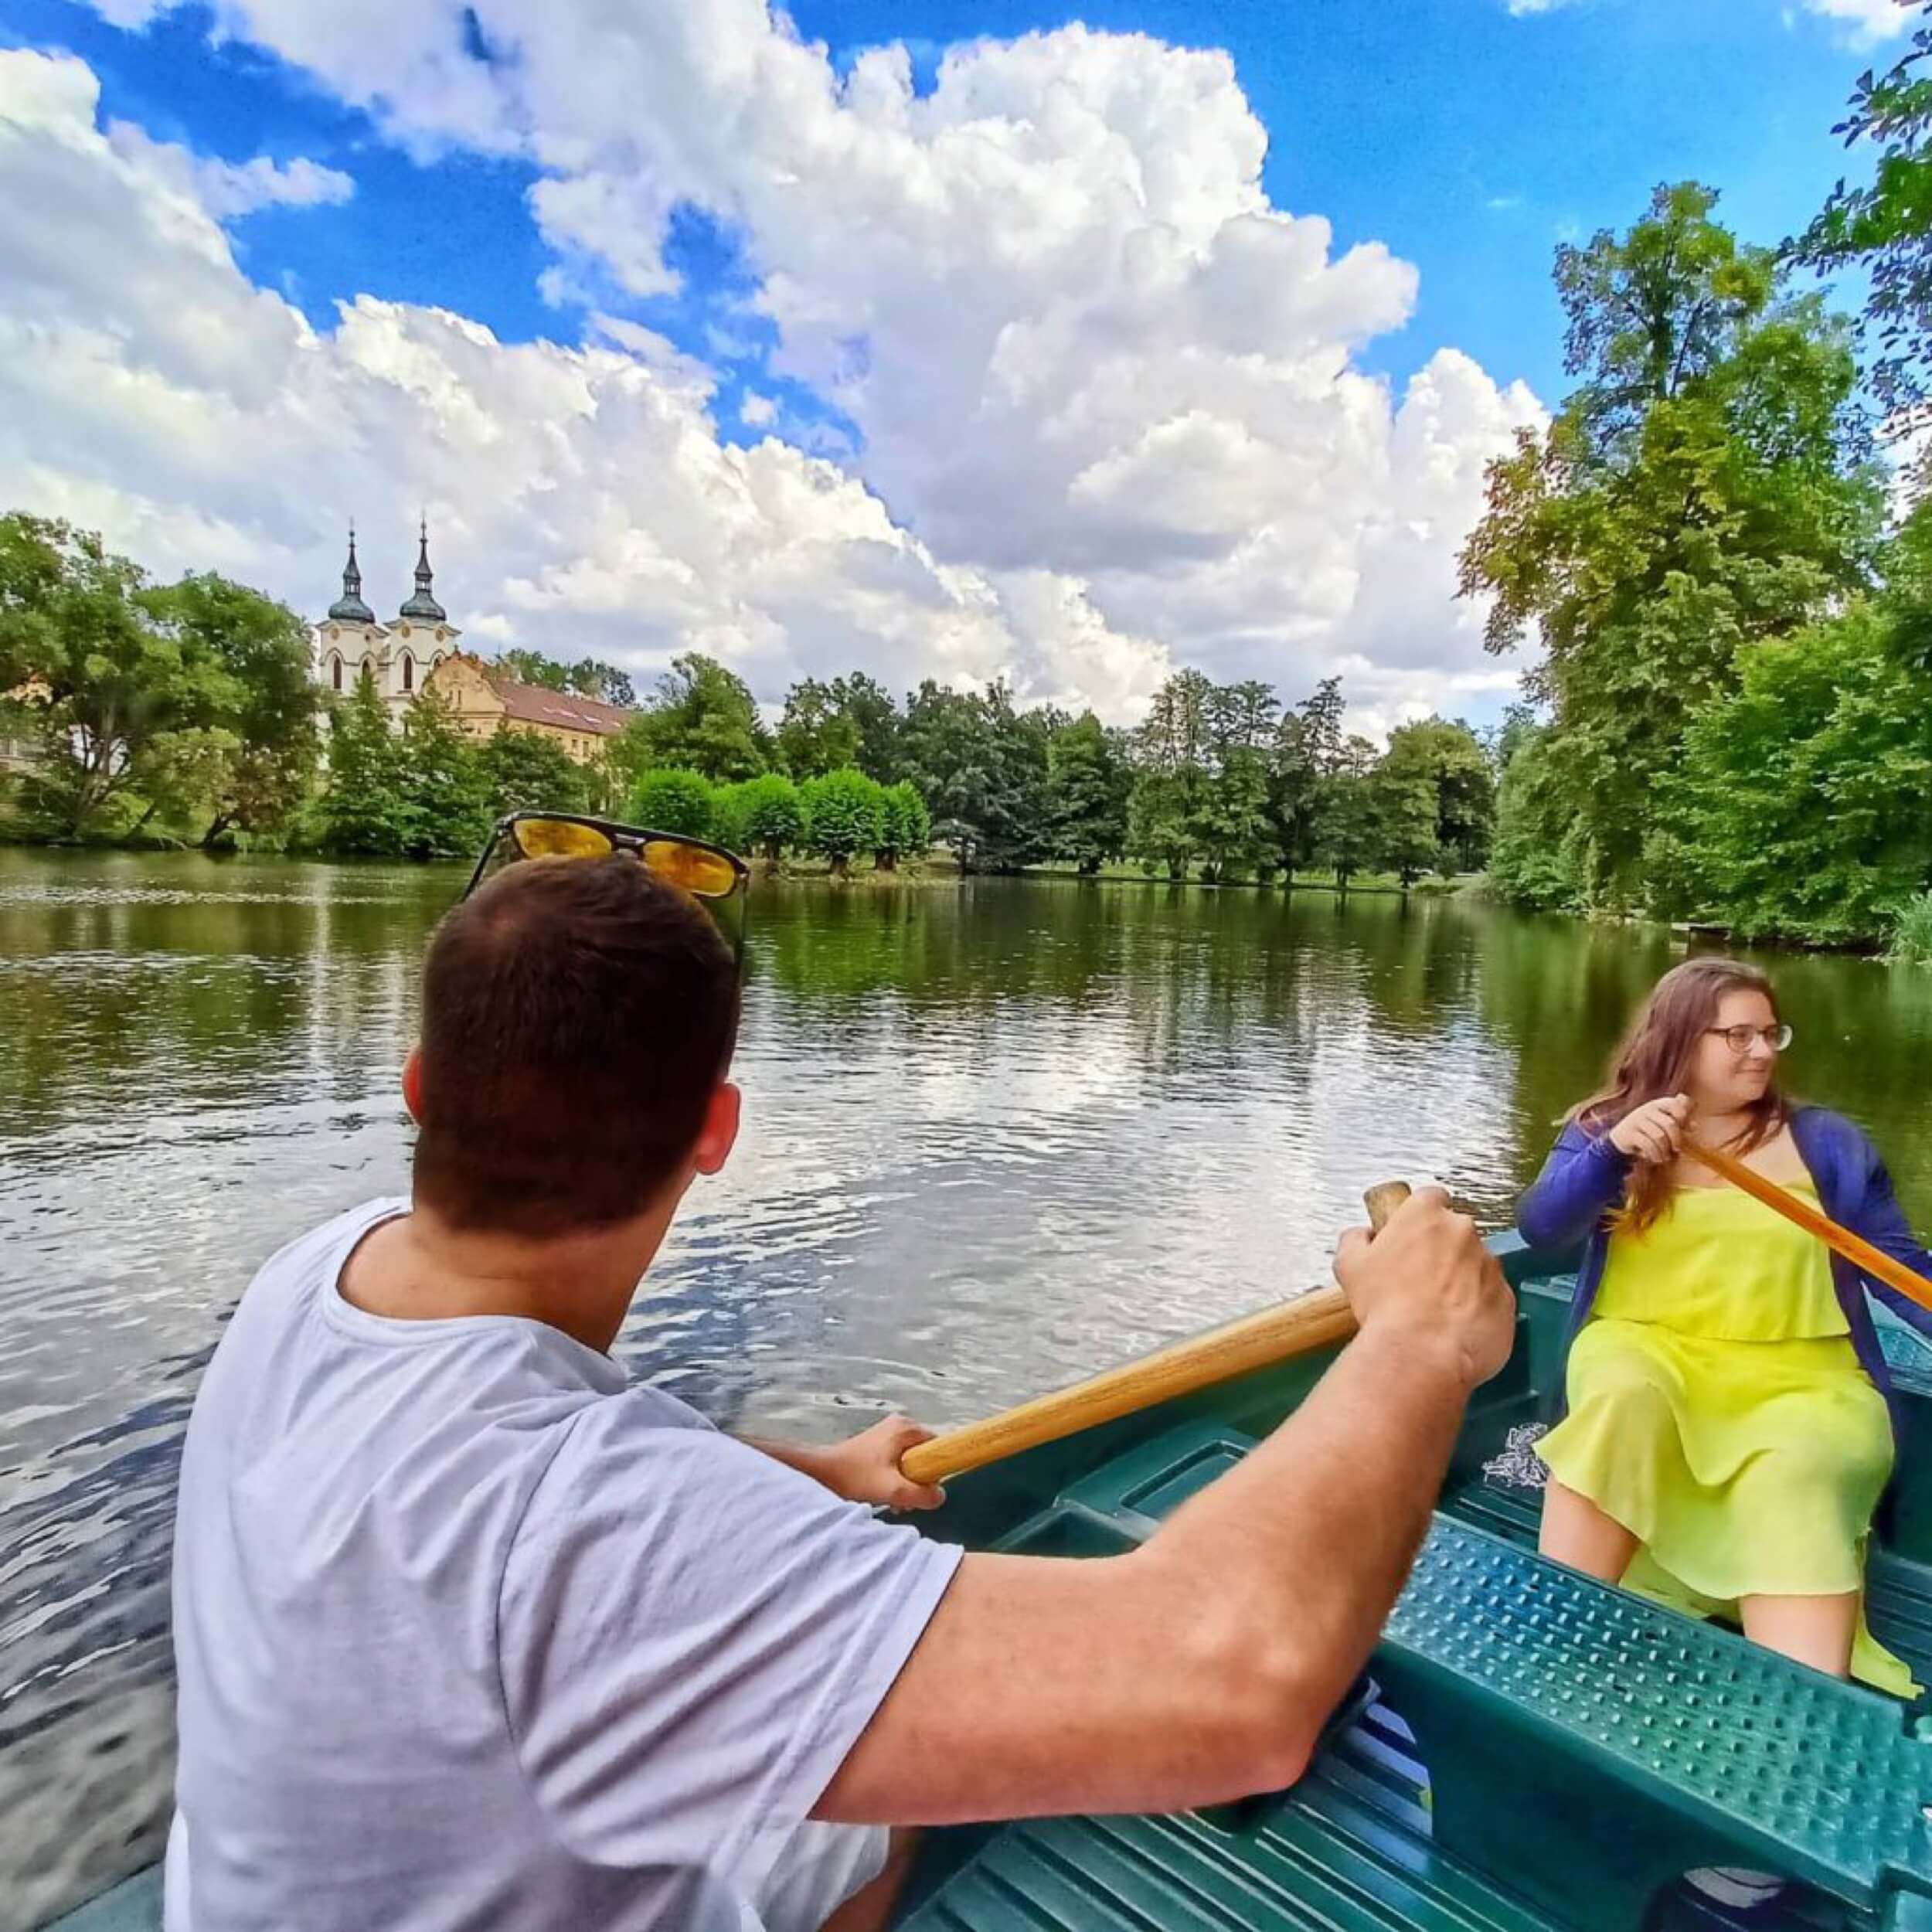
(997, 1135)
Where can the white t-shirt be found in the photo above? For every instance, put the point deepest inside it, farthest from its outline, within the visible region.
(472, 1633)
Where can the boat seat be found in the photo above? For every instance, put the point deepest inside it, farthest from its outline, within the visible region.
(1585, 1748)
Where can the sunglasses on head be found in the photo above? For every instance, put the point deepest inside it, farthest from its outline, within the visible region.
(715, 877)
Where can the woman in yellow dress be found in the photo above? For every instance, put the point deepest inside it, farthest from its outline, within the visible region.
(1728, 1435)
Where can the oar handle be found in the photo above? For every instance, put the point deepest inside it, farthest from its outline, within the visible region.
(1856, 1249)
(1310, 1321)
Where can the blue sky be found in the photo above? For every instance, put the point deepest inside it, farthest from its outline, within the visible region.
(1090, 399)
(1467, 140)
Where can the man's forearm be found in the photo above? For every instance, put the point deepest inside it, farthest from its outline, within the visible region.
(819, 1464)
(1312, 1535)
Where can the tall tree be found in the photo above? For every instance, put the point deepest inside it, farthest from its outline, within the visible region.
(1448, 765)
(445, 782)
(1171, 751)
(816, 736)
(526, 771)
(1231, 822)
(1089, 781)
(364, 809)
(1307, 749)
(701, 718)
(273, 728)
(1884, 228)
(107, 675)
(1349, 832)
(1706, 486)
(980, 764)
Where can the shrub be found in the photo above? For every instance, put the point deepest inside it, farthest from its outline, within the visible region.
(673, 799)
(843, 810)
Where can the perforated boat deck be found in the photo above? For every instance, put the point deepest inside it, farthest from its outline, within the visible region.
(1545, 1692)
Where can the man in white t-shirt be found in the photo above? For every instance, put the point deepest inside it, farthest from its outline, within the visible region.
(471, 1634)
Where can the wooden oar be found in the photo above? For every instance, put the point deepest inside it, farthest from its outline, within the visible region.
(1310, 1321)
(1794, 1208)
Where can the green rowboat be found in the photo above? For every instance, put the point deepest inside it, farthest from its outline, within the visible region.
(1528, 1749)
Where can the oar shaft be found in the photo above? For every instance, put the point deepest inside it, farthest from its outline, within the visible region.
(1311, 1321)
(1794, 1208)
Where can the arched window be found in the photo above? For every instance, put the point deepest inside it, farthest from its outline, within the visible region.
(409, 673)
(335, 672)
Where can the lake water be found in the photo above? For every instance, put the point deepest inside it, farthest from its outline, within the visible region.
(998, 1135)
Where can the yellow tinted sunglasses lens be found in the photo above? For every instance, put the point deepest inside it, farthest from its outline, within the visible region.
(558, 838)
(706, 874)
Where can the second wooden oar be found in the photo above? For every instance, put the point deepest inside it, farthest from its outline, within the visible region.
(1310, 1321)
(1856, 1249)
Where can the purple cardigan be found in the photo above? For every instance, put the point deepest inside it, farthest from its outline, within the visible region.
(1582, 1181)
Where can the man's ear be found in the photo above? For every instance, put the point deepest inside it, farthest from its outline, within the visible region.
(720, 1129)
(413, 1084)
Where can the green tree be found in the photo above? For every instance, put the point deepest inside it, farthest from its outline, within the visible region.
(1171, 763)
(980, 764)
(1801, 809)
(272, 733)
(1883, 229)
(672, 799)
(1538, 859)
(365, 810)
(1446, 761)
(1306, 749)
(762, 814)
(109, 676)
(869, 708)
(526, 771)
(1349, 832)
(532, 667)
(1232, 826)
(842, 814)
(445, 783)
(905, 826)
(702, 718)
(816, 736)
(1705, 486)
(1089, 781)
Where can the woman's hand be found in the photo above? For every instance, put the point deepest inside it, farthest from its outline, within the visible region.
(864, 1467)
(1653, 1132)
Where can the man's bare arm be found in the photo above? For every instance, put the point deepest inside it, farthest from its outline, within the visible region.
(1203, 1666)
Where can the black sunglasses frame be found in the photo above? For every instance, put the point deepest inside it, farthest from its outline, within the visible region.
(625, 838)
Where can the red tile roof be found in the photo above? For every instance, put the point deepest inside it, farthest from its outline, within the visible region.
(531, 704)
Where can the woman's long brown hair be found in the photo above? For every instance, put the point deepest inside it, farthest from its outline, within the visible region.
(1654, 1062)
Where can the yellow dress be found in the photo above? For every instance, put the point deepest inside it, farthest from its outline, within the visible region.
(1719, 1412)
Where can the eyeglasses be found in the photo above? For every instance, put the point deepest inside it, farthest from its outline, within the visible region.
(1739, 1039)
(715, 877)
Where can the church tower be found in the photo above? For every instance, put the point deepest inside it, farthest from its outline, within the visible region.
(423, 635)
(399, 657)
(349, 637)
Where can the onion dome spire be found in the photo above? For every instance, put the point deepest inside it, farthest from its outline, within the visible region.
(349, 607)
(423, 602)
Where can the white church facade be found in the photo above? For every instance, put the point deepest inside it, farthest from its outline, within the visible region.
(400, 655)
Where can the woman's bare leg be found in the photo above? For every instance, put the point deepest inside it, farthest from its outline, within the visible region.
(870, 1906)
(1576, 1533)
(1816, 1631)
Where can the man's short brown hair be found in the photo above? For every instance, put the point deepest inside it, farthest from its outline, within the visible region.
(577, 1015)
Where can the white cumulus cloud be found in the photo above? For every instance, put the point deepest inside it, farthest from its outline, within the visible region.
(226, 188)
(580, 499)
(1077, 343)
(1867, 22)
